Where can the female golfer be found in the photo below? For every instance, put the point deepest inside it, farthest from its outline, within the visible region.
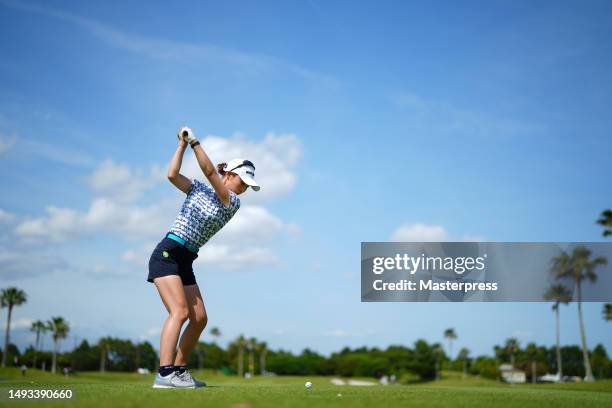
(205, 211)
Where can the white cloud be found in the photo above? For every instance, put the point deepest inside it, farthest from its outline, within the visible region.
(20, 323)
(337, 333)
(234, 257)
(340, 333)
(154, 331)
(104, 215)
(139, 256)
(222, 253)
(238, 245)
(275, 158)
(6, 143)
(20, 264)
(523, 334)
(255, 224)
(117, 187)
(233, 247)
(6, 217)
(121, 183)
(420, 232)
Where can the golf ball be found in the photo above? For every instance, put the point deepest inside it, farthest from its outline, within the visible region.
(308, 385)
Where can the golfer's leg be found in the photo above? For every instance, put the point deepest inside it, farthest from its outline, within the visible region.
(197, 322)
(171, 291)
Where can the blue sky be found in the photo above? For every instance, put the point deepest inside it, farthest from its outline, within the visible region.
(367, 122)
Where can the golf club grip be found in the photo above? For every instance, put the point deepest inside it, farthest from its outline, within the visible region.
(185, 133)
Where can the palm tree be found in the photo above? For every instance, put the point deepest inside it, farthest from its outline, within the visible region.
(215, 333)
(438, 352)
(499, 352)
(48, 328)
(606, 222)
(60, 329)
(199, 350)
(463, 355)
(10, 297)
(450, 335)
(252, 345)
(532, 352)
(241, 343)
(263, 350)
(38, 327)
(137, 357)
(104, 345)
(579, 267)
(558, 294)
(512, 346)
(607, 311)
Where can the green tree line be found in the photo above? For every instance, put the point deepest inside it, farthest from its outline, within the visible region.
(422, 361)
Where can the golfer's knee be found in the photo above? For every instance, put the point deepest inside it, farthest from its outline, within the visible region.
(180, 313)
(199, 320)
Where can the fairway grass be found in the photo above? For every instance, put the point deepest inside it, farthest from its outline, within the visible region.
(94, 389)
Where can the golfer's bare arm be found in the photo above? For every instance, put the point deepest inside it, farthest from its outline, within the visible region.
(184, 184)
(211, 174)
(181, 182)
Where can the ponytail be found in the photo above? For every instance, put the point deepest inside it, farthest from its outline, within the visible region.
(221, 167)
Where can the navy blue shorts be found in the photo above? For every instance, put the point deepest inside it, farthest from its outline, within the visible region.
(171, 258)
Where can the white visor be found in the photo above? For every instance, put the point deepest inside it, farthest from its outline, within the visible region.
(246, 172)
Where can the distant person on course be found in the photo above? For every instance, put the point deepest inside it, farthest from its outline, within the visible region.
(206, 209)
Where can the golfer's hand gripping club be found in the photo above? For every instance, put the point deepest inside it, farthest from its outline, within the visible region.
(187, 135)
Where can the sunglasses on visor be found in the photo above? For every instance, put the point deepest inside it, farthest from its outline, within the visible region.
(244, 163)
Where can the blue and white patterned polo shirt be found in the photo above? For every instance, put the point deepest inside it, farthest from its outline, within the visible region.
(203, 214)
